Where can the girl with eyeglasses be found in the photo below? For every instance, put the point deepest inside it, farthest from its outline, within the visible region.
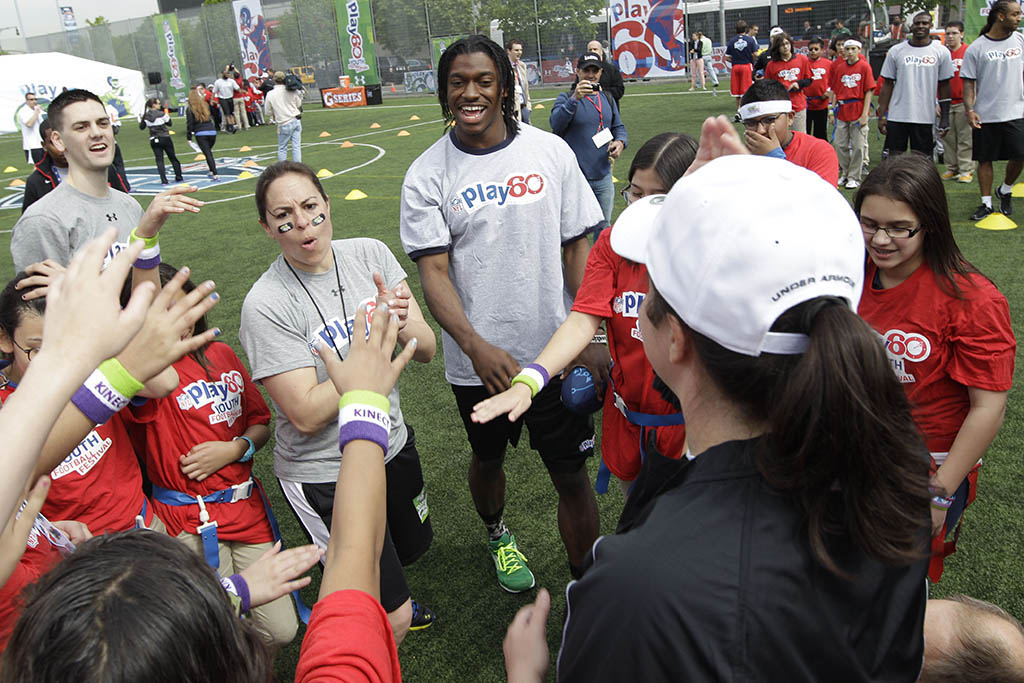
(946, 329)
(613, 288)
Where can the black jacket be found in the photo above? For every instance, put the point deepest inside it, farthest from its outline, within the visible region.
(717, 583)
(44, 179)
(193, 125)
(158, 123)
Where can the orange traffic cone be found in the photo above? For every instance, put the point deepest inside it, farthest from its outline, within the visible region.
(393, 89)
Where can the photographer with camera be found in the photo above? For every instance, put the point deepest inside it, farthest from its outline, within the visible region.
(588, 119)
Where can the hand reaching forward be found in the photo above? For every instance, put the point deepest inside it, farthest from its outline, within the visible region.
(369, 365)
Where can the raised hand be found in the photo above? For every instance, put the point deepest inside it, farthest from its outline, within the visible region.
(718, 138)
(515, 401)
(397, 300)
(40, 276)
(369, 364)
(278, 572)
(165, 204)
(526, 645)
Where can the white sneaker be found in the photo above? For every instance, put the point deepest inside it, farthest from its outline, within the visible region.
(842, 181)
(852, 184)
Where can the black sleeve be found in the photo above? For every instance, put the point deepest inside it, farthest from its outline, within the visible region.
(32, 191)
(190, 124)
(804, 82)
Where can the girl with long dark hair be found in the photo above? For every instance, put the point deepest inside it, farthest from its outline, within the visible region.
(946, 329)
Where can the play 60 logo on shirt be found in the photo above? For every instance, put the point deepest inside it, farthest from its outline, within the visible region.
(521, 188)
(903, 346)
(223, 397)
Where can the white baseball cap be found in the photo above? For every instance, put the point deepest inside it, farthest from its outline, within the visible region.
(775, 31)
(739, 242)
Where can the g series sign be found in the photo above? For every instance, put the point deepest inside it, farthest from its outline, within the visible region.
(343, 97)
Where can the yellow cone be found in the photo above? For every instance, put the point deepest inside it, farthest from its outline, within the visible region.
(614, 179)
(17, 182)
(245, 148)
(414, 118)
(10, 169)
(374, 125)
(325, 134)
(347, 144)
(171, 132)
(323, 173)
(1018, 190)
(199, 157)
(245, 174)
(354, 195)
(403, 133)
(996, 221)
(250, 164)
(538, 106)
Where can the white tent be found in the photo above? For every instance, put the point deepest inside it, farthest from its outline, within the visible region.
(48, 73)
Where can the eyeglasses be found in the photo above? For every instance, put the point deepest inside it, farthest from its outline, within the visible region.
(629, 196)
(767, 121)
(29, 353)
(895, 233)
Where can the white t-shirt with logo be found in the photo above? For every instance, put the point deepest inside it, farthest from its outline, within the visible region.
(224, 88)
(917, 72)
(30, 138)
(502, 215)
(998, 68)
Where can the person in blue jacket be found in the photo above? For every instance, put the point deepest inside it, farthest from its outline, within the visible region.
(587, 119)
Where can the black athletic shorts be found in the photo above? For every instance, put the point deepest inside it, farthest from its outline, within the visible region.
(227, 106)
(408, 533)
(1003, 141)
(918, 135)
(564, 439)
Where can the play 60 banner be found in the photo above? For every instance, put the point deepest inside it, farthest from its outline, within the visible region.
(648, 37)
(355, 35)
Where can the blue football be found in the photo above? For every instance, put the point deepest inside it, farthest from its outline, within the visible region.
(579, 393)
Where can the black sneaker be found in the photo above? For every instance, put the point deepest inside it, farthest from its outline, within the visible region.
(1005, 202)
(981, 212)
(737, 119)
(422, 617)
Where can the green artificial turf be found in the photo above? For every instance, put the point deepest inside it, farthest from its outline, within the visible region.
(456, 577)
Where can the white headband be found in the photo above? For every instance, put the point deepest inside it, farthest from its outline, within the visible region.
(756, 109)
(851, 43)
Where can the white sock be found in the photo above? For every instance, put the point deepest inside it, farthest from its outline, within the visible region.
(1005, 189)
(987, 201)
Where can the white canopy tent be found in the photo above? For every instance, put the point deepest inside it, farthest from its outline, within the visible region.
(48, 73)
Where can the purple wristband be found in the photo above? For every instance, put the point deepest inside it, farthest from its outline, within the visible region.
(91, 406)
(367, 431)
(147, 264)
(541, 370)
(243, 591)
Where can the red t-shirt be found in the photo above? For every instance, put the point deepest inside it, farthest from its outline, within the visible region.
(815, 92)
(613, 288)
(790, 72)
(939, 345)
(349, 639)
(200, 410)
(815, 155)
(956, 83)
(99, 483)
(851, 83)
(39, 557)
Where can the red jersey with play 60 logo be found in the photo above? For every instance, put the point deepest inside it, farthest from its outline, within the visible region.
(939, 345)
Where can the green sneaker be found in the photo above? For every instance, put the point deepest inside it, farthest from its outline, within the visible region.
(510, 564)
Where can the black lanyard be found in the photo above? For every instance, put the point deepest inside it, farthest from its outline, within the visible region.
(341, 295)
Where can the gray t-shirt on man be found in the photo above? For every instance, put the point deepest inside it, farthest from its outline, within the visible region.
(280, 325)
(502, 215)
(63, 220)
(917, 72)
(997, 66)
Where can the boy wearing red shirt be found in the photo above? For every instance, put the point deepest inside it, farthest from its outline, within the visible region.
(852, 84)
(767, 114)
(817, 92)
(958, 141)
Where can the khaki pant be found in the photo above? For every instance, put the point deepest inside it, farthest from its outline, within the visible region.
(851, 138)
(241, 118)
(276, 621)
(958, 141)
(800, 121)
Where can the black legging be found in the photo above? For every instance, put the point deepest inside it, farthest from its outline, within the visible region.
(206, 143)
(161, 145)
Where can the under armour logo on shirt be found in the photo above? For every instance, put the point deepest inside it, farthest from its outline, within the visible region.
(111, 217)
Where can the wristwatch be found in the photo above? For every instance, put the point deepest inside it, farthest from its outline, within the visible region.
(248, 453)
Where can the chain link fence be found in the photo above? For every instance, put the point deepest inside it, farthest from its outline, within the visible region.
(409, 35)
